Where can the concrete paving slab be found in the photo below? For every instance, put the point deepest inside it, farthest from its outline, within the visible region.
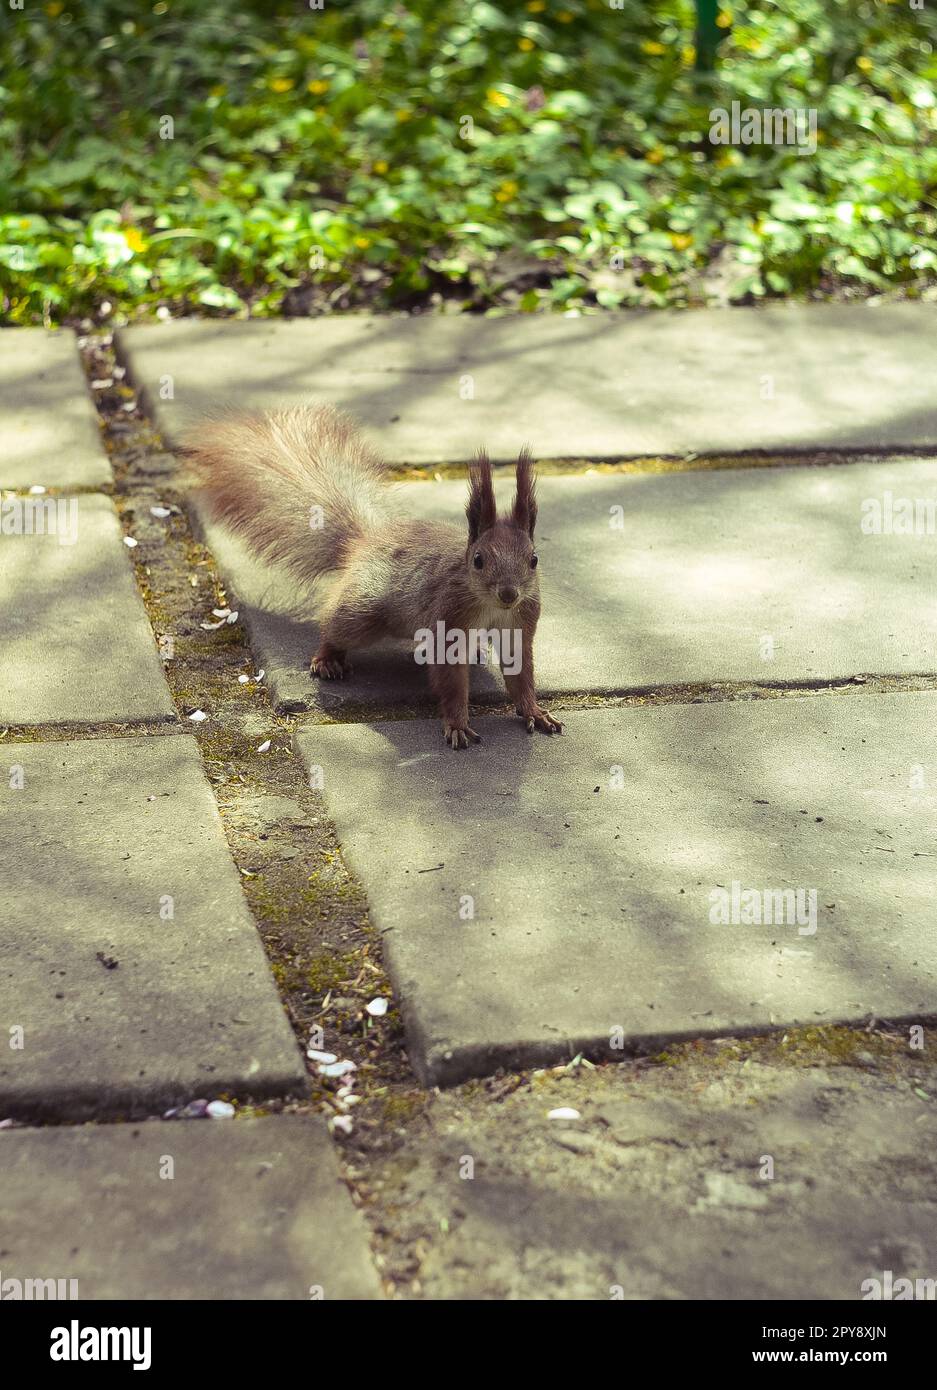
(48, 426)
(599, 386)
(754, 574)
(128, 958)
(669, 1196)
(76, 640)
(251, 1209)
(538, 896)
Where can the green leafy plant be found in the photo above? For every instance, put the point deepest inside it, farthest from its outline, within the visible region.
(194, 156)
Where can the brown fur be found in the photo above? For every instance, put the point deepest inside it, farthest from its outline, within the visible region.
(262, 475)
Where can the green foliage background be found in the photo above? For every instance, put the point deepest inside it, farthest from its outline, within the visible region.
(323, 157)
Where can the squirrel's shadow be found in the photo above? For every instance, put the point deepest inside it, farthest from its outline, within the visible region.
(383, 676)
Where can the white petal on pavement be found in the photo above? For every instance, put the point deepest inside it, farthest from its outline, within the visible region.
(337, 1068)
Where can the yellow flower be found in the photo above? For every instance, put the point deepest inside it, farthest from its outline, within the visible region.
(681, 240)
(134, 239)
(864, 64)
(506, 191)
(536, 6)
(689, 54)
(281, 84)
(525, 44)
(403, 114)
(565, 17)
(380, 166)
(655, 156)
(362, 242)
(317, 87)
(496, 98)
(54, 9)
(724, 19)
(653, 47)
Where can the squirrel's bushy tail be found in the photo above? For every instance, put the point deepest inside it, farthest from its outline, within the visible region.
(299, 485)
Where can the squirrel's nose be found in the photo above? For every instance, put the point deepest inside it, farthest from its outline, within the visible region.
(507, 594)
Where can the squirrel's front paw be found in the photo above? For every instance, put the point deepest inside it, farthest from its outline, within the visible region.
(458, 735)
(537, 718)
(329, 667)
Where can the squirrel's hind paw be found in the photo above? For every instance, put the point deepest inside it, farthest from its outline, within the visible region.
(329, 668)
(458, 735)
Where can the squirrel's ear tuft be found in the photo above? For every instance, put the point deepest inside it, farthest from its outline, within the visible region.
(480, 508)
(524, 513)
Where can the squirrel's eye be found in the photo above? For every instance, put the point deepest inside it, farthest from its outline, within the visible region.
(533, 561)
(478, 560)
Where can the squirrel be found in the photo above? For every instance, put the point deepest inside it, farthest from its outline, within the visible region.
(303, 488)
